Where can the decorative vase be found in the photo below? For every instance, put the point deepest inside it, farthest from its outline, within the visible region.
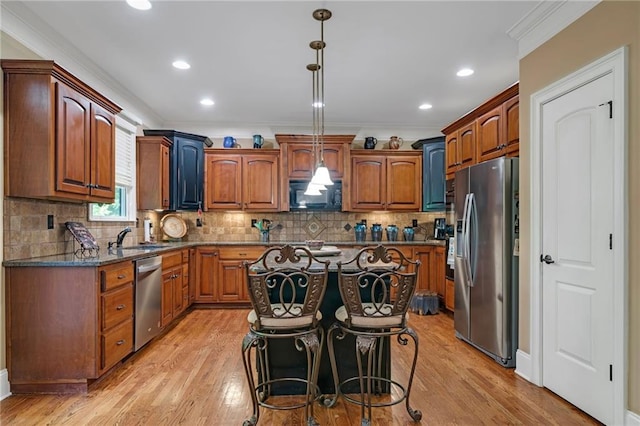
(264, 236)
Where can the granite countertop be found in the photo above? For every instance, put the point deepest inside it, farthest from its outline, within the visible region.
(107, 256)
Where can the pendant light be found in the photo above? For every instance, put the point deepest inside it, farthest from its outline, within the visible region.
(321, 174)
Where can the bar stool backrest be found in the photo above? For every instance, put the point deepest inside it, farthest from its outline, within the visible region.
(366, 284)
(286, 285)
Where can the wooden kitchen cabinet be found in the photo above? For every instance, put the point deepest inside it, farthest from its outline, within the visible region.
(489, 131)
(392, 181)
(57, 343)
(175, 285)
(242, 180)
(431, 276)
(449, 295)
(61, 125)
(221, 277)
(461, 149)
(298, 161)
(153, 172)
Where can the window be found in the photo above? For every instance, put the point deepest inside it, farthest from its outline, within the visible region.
(124, 206)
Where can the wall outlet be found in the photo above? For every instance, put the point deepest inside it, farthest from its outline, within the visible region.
(414, 223)
(198, 222)
(253, 222)
(49, 221)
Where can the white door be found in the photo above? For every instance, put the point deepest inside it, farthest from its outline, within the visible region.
(577, 212)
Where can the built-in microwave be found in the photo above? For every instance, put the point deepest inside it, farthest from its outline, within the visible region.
(329, 199)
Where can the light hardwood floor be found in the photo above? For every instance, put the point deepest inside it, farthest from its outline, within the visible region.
(193, 375)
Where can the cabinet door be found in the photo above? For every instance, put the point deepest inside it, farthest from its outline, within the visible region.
(103, 153)
(164, 176)
(301, 164)
(178, 302)
(490, 135)
(167, 297)
(424, 254)
(512, 126)
(224, 187)
(368, 183)
(467, 145)
(449, 295)
(451, 142)
(230, 281)
(206, 268)
(73, 150)
(438, 270)
(433, 188)
(404, 183)
(260, 182)
(186, 192)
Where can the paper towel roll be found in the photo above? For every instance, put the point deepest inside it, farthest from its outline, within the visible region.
(147, 230)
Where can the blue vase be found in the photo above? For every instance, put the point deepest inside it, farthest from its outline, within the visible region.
(361, 232)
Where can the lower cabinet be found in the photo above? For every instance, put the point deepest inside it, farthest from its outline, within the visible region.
(220, 273)
(175, 284)
(449, 295)
(432, 269)
(79, 321)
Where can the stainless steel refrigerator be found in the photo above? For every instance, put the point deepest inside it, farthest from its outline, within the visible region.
(486, 261)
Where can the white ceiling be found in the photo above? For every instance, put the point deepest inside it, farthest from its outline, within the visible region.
(383, 59)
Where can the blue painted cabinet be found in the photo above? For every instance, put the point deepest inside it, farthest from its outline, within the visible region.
(433, 175)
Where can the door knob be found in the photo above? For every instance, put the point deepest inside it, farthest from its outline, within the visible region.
(547, 259)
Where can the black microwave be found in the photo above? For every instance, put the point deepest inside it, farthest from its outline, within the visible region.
(329, 199)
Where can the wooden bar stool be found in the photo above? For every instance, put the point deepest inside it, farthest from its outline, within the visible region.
(366, 284)
(286, 286)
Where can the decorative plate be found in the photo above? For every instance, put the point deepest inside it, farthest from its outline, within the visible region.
(173, 226)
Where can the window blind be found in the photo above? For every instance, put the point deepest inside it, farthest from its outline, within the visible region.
(125, 157)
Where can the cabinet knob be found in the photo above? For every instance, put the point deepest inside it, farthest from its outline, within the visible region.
(119, 307)
(120, 342)
(120, 277)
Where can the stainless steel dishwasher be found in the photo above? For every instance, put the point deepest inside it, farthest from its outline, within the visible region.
(148, 300)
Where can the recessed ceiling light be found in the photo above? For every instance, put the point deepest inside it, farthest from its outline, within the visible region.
(139, 4)
(425, 106)
(207, 102)
(181, 65)
(464, 72)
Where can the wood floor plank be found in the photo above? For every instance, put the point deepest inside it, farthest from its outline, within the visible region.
(193, 375)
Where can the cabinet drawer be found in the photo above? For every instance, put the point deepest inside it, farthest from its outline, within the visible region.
(241, 253)
(116, 275)
(117, 307)
(174, 258)
(117, 344)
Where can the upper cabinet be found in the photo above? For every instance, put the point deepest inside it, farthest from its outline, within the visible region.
(186, 168)
(153, 172)
(433, 172)
(389, 181)
(242, 179)
(489, 131)
(299, 161)
(59, 135)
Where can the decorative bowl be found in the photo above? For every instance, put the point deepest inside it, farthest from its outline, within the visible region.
(314, 244)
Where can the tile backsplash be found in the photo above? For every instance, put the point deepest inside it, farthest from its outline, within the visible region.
(26, 233)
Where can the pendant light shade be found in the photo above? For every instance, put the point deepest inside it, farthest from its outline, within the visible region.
(314, 189)
(321, 176)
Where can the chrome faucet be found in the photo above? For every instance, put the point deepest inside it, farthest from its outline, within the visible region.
(121, 236)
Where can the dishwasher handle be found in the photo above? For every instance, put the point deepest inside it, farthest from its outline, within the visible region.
(148, 268)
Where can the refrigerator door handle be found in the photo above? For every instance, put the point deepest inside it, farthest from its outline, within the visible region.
(471, 256)
(465, 240)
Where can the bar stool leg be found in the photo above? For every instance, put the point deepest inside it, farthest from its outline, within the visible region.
(330, 402)
(251, 341)
(365, 346)
(310, 343)
(415, 414)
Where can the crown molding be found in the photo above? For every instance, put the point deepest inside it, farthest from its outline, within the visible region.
(546, 20)
(32, 32)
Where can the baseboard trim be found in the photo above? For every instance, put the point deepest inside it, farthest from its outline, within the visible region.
(523, 365)
(4, 384)
(632, 419)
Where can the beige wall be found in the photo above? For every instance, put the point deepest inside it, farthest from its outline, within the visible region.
(605, 28)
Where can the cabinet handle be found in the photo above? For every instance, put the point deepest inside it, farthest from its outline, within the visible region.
(121, 276)
(242, 254)
(119, 307)
(120, 342)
